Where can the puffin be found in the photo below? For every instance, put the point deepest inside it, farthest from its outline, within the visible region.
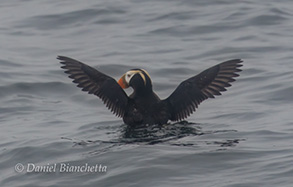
(143, 106)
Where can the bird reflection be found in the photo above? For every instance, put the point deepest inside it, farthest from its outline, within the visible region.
(171, 134)
(154, 134)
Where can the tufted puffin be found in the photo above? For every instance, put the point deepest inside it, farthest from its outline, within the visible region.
(143, 106)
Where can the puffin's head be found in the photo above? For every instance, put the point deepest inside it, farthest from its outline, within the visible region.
(136, 78)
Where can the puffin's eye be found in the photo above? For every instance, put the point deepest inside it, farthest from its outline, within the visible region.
(128, 75)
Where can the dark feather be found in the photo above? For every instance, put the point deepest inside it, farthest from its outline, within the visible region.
(95, 82)
(191, 92)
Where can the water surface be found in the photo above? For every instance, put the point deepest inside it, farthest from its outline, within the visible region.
(243, 138)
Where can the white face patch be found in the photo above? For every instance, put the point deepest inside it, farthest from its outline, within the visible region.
(131, 73)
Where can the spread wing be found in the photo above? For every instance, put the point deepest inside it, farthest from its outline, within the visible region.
(191, 92)
(97, 83)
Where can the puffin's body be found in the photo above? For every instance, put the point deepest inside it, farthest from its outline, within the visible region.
(143, 106)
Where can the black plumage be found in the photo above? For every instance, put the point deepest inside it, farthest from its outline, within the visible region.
(97, 83)
(143, 106)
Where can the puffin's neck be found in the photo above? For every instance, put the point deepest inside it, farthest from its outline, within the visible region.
(142, 90)
(141, 87)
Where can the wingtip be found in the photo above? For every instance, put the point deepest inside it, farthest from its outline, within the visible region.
(238, 60)
(238, 65)
(59, 57)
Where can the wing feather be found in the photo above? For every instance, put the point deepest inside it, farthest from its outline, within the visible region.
(97, 83)
(208, 84)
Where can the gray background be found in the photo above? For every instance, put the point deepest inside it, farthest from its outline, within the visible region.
(243, 138)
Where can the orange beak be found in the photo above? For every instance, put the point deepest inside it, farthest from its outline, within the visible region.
(122, 82)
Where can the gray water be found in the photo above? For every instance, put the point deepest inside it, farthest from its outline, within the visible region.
(241, 139)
